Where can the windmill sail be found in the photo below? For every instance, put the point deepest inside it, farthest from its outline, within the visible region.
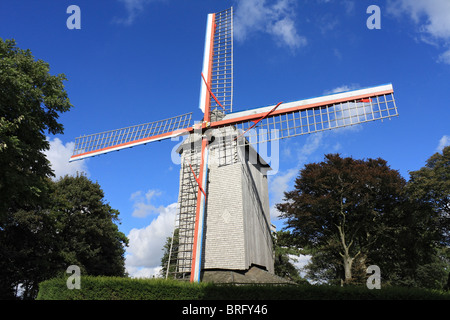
(217, 71)
(313, 115)
(222, 64)
(113, 140)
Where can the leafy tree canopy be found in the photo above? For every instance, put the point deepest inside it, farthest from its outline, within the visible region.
(431, 183)
(30, 102)
(342, 203)
(86, 227)
(45, 226)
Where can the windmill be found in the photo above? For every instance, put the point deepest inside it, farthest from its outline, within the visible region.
(223, 217)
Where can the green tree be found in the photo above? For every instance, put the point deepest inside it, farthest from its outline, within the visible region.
(340, 206)
(406, 245)
(285, 256)
(430, 186)
(325, 265)
(31, 100)
(75, 227)
(87, 235)
(45, 226)
(27, 249)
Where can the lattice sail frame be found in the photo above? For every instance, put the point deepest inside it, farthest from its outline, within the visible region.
(113, 140)
(314, 115)
(288, 120)
(222, 64)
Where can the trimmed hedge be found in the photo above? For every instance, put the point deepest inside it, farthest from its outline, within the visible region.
(115, 288)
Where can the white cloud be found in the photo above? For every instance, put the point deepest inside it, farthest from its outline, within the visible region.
(445, 57)
(59, 155)
(287, 34)
(432, 17)
(134, 8)
(252, 16)
(144, 253)
(142, 206)
(278, 185)
(143, 272)
(443, 142)
(313, 142)
(343, 88)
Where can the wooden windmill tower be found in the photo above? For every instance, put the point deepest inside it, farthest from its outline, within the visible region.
(223, 217)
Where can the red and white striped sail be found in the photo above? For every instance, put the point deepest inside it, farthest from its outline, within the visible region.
(99, 143)
(216, 88)
(207, 57)
(313, 115)
(289, 119)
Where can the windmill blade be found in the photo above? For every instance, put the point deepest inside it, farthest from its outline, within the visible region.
(114, 140)
(313, 115)
(217, 71)
(222, 64)
(207, 58)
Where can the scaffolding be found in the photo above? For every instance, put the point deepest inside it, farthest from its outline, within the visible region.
(180, 253)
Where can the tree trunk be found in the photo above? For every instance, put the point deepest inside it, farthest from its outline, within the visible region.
(347, 261)
(345, 254)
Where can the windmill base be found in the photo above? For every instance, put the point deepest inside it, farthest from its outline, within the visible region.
(236, 233)
(254, 275)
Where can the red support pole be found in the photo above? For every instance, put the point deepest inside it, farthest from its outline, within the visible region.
(202, 177)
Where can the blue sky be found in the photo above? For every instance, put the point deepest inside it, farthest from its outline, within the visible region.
(136, 61)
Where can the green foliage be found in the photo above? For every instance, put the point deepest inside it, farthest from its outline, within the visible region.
(284, 257)
(75, 227)
(87, 234)
(30, 102)
(426, 237)
(26, 252)
(113, 288)
(342, 205)
(364, 213)
(116, 288)
(432, 184)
